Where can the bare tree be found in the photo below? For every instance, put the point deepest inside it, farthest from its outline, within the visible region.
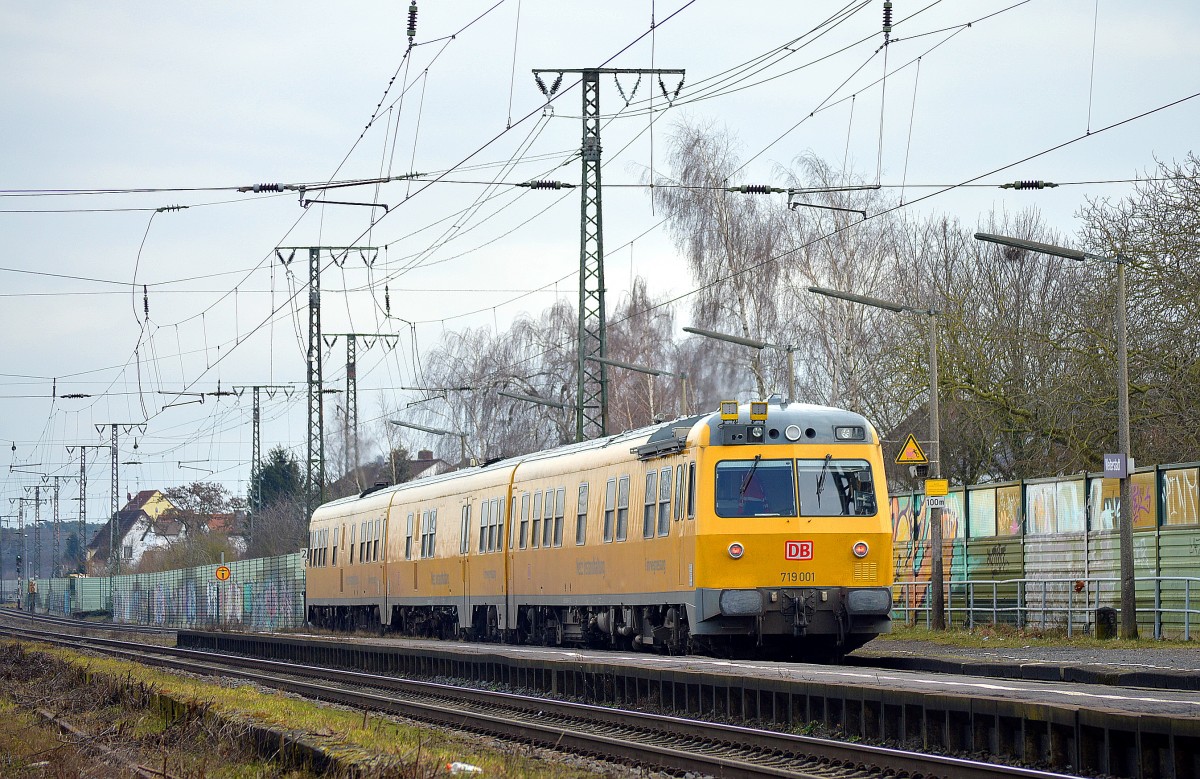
(730, 240)
(1156, 229)
(641, 332)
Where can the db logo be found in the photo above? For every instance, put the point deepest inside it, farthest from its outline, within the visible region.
(798, 550)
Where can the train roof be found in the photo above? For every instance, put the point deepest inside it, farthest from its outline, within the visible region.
(661, 433)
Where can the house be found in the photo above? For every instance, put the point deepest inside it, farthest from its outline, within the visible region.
(140, 527)
(427, 465)
(234, 525)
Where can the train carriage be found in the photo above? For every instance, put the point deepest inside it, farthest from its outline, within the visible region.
(762, 527)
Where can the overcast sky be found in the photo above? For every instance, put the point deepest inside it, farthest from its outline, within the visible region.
(194, 100)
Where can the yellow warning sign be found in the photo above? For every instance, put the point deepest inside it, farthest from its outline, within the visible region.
(911, 453)
(223, 573)
(939, 488)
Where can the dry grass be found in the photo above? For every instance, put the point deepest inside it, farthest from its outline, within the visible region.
(191, 727)
(985, 636)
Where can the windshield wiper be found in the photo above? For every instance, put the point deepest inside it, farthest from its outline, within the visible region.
(821, 477)
(749, 476)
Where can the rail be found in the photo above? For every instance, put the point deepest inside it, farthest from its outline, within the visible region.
(671, 743)
(1061, 603)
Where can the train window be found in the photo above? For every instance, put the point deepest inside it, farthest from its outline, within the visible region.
(498, 513)
(610, 504)
(581, 515)
(664, 502)
(560, 507)
(755, 488)
(691, 491)
(484, 519)
(524, 519)
(679, 485)
(378, 528)
(350, 560)
(622, 508)
(428, 532)
(464, 530)
(407, 540)
(362, 542)
(536, 536)
(648, 511)
(423, 531)
(335, 545)
(836, 488)
(512, 524)
(487, 526)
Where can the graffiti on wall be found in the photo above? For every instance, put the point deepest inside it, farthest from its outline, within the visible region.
(1106, 502)
(910, 537)
(982, 513)
(1180, 503)
(1008, 510)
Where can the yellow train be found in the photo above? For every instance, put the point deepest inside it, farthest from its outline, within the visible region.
(761, 527)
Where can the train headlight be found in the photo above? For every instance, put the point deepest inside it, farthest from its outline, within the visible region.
(861, 549)
(856, 433)
(736, 550)
(792, 432)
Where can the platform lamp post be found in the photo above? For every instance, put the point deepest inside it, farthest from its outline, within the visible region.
(1129, 627)
(462, 437)
(534, 398)
(936, 541)
(754, 343)
(682, 376)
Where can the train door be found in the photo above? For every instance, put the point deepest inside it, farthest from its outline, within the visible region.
(464, 552)
(685, 523)
(510, 564)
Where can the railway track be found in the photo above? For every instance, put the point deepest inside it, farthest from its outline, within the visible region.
(670, 743)
(27, 618)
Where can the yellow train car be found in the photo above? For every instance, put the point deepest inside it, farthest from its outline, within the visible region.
(760, 528)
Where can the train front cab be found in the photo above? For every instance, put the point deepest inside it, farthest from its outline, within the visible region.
(793, 538)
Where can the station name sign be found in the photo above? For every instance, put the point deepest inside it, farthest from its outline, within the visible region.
(1116, 466)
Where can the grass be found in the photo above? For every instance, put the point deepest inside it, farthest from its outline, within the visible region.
(985, 636)
(160, 710)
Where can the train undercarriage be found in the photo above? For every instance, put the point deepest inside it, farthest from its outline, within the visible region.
(655, 628)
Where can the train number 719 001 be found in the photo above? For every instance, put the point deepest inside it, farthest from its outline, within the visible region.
(797, 576)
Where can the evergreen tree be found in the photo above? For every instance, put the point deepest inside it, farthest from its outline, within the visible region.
(276, 478)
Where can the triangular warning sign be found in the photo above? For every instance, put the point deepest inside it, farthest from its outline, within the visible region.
(911, 453)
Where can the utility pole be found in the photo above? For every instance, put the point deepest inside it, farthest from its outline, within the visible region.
(114, 556)
(36, 568)
(591, 390)
(6, 519)
(56, 557)
(255, 497)
(82, 545)
(314, 488)
(22, 550)
(369, 339)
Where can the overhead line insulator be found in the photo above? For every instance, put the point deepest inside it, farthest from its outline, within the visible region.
(412, 21)
(887, 21)
(543, 184)
(755, 189)
(1029, 185)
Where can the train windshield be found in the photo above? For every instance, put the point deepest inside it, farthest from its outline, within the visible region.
(756, 488)
(836, 488)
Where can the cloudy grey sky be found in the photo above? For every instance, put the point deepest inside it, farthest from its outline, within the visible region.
(192, 101)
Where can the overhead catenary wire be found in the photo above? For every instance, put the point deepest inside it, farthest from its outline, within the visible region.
(901, 185)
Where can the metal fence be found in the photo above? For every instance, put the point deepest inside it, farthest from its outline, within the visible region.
(260, 594)
(1163, 602)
